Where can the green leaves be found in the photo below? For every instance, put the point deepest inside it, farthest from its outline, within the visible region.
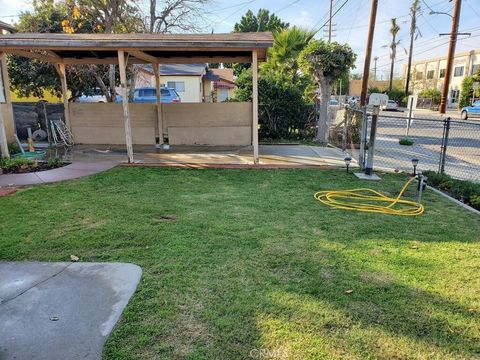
(263, 21)
(327, 61)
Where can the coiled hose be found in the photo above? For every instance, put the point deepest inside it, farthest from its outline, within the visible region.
(364, 200)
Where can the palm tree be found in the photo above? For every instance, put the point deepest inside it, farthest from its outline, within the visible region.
(394, 29)
(287, 45)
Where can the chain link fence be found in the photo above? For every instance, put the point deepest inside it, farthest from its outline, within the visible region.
(448, 146)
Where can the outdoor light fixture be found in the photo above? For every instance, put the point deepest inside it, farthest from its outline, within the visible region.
(348, 160)
(415, 163)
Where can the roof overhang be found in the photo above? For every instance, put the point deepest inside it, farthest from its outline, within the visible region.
(141, 48)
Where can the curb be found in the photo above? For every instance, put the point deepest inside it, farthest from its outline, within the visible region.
(465, 206)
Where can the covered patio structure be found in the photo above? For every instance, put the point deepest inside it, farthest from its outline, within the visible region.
(145, 124)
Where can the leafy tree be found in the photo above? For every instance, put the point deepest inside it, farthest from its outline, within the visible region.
(327, 62)
(31, 77)
(468, 91)
(394, 29)
(263, 21)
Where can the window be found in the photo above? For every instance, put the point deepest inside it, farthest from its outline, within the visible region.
(430, 74)
(458, 71)
(2, 90)
(419, 75)
(179, 86)
(148, 92)
(475, 69)
(442, 73)
(454, 95)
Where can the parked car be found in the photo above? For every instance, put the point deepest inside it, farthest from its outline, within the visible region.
(390, 105)
(333, 102)
(149, 95)
(96, 97)
(471, 111)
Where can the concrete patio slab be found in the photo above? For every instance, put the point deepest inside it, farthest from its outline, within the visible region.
(269, 154)
(61, 310)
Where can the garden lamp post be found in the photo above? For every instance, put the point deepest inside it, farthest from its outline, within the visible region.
(415, 163)
(348, 160)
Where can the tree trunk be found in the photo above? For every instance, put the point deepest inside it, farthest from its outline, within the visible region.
(133, 77)
(322, 121)
(111, 79)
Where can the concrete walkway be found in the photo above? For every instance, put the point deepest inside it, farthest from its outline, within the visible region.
(51, 311)
(72, 171)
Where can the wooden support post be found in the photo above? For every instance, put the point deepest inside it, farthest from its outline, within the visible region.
(3, 130)
(126, 114)
(156, 71)
(63, 80)
(255, 106)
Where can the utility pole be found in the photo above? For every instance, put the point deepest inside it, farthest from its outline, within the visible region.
(413, 28)
(330, 23)
(375, 68)
(451, 55)
(368, 53)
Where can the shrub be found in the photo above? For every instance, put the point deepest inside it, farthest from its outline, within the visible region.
(16, 163)
(396, 94)
(432, 93)
(13, 148)
(406, 142)
(283, 112)
(465, 191)
(54, 163)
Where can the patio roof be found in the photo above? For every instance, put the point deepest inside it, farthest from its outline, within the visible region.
(142, 48)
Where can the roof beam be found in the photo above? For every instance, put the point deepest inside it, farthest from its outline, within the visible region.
(161, 60)
(143, 56)
(37, 56)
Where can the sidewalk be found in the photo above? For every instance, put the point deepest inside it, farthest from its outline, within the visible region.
(72, 171)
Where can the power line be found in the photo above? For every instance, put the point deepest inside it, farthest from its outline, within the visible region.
(245, 4)
(286, 6)
(335, 13)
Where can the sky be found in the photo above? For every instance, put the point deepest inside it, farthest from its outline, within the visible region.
(351, 24)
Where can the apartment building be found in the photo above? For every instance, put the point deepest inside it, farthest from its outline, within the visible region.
(430, 73)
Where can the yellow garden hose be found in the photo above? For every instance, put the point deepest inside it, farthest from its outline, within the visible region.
(364, 200)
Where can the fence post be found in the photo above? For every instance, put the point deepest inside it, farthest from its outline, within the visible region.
(363, 140)
(443, 150)
(371, 142)
(345, 129)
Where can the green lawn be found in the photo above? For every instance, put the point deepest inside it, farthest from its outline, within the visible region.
(241, 261)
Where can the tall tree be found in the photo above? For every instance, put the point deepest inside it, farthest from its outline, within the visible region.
(327, 62)
(414, 9)
(394, 29)
(176, 15)
(287, 45)
(31, 77)
(263, 21)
